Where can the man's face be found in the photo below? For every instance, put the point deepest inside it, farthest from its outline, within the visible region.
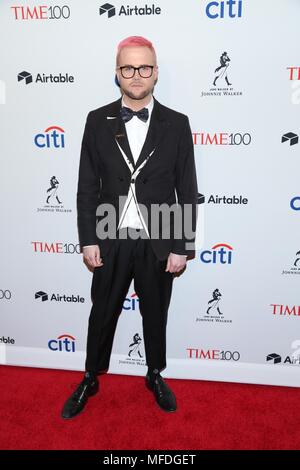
(137, 88)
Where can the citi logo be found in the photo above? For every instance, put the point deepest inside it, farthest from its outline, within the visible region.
(64, 343)
(221, 138)
(131, 303)
(285, 310)
(294, 73)
(295, 203)
(43, 78)
(290, 137)
(220, 253)
(52, 137)
(147, 10)
(224, 9)
(43, 296)
(40, 12)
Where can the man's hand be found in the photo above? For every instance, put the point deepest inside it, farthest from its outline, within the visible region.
(91, 255)
(176, 263)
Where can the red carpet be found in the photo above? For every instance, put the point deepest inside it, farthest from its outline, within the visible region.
(211, 415)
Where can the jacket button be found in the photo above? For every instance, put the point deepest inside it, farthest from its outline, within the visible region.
(145, 180)
(120, 179)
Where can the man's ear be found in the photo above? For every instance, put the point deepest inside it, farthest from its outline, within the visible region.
(117, 81)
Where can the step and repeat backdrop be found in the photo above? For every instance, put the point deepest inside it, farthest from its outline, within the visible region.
(234, 68)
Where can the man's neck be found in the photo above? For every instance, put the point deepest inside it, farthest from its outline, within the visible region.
(136, 105)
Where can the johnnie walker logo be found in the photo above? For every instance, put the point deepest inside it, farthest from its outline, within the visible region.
(135, 355)
(222, 83)
(214, 311)
(53, 200)
(295, 268)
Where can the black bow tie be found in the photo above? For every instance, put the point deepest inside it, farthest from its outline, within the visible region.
(127, 114)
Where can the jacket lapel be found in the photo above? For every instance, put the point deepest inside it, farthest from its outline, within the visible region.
(157, 128)
(117, 127)
(156, 131)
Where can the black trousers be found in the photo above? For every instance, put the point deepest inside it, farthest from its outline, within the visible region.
(129, 259)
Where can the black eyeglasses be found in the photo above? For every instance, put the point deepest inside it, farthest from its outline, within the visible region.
(128, 71)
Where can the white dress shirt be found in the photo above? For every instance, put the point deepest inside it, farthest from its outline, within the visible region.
(136, 131)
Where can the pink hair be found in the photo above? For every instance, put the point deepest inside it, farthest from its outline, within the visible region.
(135, 41)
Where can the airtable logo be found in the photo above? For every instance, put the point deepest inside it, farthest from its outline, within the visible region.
(290, 137)
(127, 10)
(274, 357)
(107, 8)
(292, 358)
(52, 137)
(43, 296)
(25, 76)
(45, 78)
(7, 340)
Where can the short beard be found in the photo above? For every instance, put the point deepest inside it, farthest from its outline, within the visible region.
(143, 95)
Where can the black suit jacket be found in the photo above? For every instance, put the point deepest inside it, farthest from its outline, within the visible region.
(168, 177)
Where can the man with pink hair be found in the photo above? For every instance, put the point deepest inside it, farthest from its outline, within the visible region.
(137, 159)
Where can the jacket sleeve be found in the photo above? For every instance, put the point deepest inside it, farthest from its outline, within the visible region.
(187, 192)
(88, 187)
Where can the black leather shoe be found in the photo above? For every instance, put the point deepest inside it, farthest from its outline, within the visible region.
(77, 401)
(164, 396)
